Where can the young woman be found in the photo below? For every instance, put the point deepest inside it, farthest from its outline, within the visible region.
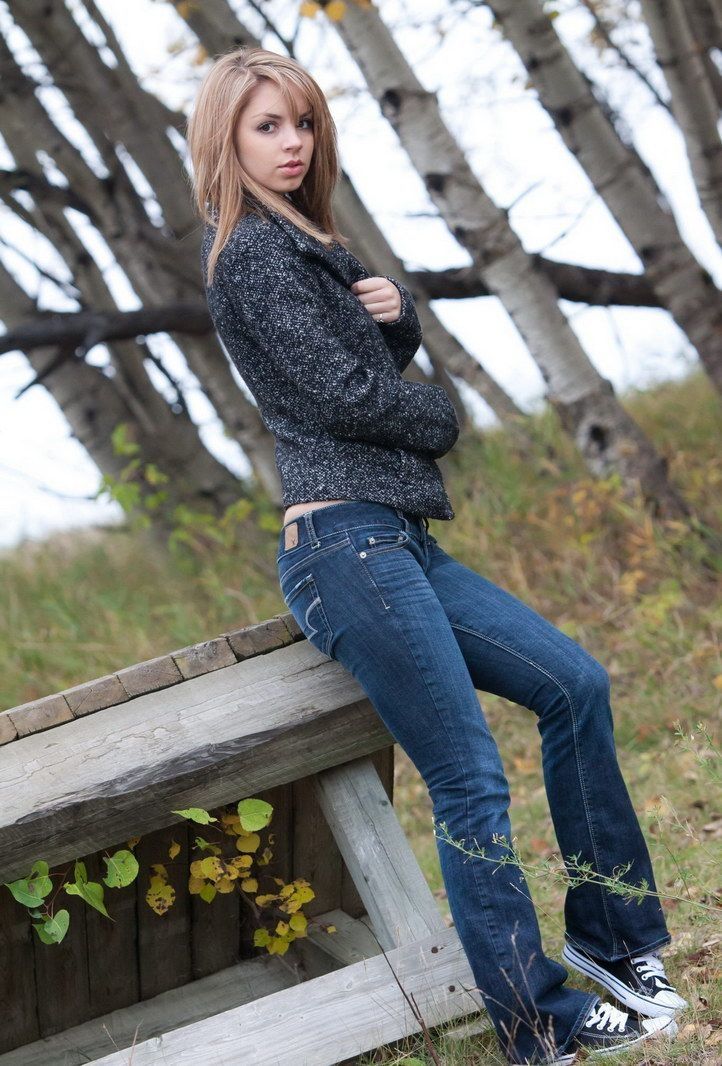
(321, 345)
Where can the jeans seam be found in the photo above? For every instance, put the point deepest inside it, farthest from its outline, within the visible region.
(579, 761)
(311, 557)
(492, 937)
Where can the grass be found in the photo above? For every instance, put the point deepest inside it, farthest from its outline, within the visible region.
(633, 592)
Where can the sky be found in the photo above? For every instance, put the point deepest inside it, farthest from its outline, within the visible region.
(47, 480)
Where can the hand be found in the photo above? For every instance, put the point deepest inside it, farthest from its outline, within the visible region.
(379, 296)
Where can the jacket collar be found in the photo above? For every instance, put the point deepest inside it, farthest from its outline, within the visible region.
(335, 258)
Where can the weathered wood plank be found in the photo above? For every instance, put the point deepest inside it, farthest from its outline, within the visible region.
(214, 927)
(45, 713)
(18, 992)
(352, 940)
(112, 944)
(64, 966)
(379, 857)
(202, 658)
(323, 1021)
(178, 1007)
(164, 940)
(213, 739)
(351, 901)
(94, 695)
(97, 693)
(315, 854)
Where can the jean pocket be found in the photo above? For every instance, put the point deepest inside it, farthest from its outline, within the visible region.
(304, 602)
(381, 541)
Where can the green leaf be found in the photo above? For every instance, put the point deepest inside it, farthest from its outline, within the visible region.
(53, 930)
(91, 892)
(254, 814)
(122, 444)
(122, 869)
(24, 891)
(196, 814)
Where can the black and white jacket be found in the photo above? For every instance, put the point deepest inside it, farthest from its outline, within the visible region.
(325, 375)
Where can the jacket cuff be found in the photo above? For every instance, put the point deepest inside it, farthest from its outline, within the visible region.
(403, 313)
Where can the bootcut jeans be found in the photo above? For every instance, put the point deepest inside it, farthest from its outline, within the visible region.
(371, 588)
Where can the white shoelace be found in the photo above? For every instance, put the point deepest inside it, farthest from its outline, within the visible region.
(649, 964)
(605, 1016)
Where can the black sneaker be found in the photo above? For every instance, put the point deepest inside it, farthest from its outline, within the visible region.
(607, 1030)
(639, 982)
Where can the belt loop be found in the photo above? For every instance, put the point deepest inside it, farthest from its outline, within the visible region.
(308, 519)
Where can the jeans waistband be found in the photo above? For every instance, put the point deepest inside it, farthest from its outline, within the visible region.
(320, 521)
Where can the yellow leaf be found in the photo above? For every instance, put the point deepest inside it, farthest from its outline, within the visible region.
(309, 9)
(335, 10)
(195, 884)
(173, 850)
(225, 885)
(212, 868)
(248, 842)
(160, 897)
(250, 884)
(241, 863)
(263, 901)
(298, 923)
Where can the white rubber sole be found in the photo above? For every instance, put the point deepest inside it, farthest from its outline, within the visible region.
(641, 1004)
(565, 1060)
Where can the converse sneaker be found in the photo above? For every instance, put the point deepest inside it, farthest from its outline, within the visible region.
(607, 1031)
(639, 982)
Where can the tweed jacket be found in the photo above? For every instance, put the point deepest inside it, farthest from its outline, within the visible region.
(326, 377)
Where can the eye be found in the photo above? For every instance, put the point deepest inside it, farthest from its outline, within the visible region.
(271, 123)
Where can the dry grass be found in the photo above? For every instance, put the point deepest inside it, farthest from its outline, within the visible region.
(644, 598)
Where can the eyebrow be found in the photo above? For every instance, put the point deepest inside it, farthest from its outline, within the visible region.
(269, 114)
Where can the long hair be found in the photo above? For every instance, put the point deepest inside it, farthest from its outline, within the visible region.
(223, 190)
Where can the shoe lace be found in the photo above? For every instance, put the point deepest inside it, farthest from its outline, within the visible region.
(649, 964)
(606, 1016)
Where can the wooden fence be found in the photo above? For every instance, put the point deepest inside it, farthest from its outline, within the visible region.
(257, 712)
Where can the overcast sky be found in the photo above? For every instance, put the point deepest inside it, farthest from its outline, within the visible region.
(512, 147)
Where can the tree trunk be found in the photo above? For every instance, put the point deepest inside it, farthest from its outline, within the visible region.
(159, 268)
(93, 407)
(576, 389)
(620, 177)
(693, 103)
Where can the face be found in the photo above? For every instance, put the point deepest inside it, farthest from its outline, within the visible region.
(267, 138)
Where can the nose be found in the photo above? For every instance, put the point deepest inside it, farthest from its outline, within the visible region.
(292, 138)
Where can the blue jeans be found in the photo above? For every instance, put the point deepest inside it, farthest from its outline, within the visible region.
(371, 588)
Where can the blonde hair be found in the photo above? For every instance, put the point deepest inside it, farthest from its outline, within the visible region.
(223, 190)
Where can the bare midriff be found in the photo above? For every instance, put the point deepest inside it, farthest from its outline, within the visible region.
(298, 508)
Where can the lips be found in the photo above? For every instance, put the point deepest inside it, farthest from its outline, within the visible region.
(292, 167)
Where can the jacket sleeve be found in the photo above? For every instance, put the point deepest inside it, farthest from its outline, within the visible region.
(346, 376)
(404, 335)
